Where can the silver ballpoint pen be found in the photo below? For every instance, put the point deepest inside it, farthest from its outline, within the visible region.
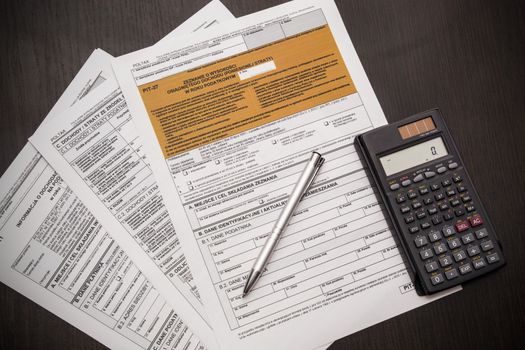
(306, 179)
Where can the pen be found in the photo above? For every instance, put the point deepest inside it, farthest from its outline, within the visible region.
(306, 179)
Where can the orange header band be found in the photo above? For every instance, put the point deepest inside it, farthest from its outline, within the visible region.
(197, 107)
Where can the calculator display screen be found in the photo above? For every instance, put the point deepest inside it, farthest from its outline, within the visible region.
(413, 156)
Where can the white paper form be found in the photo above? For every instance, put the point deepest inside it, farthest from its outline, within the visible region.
(54, 251)
(229, 119)
(48, 239)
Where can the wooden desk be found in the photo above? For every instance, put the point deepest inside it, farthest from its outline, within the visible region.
(466, 57)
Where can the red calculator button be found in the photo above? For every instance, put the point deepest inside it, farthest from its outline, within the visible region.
(462, 226)
(475, 220)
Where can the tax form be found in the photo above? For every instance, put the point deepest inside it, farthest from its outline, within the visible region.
(54, 251)
(228, 120)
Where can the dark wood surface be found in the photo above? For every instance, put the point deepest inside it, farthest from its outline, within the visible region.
(466, 57)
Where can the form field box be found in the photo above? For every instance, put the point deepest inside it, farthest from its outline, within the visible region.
(256, 70)
(276, 278)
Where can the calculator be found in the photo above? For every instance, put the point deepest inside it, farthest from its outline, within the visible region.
(436, 213)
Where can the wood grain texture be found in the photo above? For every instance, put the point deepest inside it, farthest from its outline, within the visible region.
(465, 57)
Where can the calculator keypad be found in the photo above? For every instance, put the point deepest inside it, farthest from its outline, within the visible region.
(447, 233)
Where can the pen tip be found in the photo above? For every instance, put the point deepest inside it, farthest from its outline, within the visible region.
(243, 294)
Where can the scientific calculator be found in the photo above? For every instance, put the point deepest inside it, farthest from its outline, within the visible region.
(435, 210)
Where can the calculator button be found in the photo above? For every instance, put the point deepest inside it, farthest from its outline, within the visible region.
(436, 220)
(431, 266)
(453, 165)
(434, 236)
(405, 209)
(437, 279)
(468, 238)
(462, 226)
(413, 229)
(420, 241)
(446, 182)
(405, 183)
(453, 243)
(448, 231)
(461, 189)
(445, 261)
(426, 253)
(411, 194)
(418, 178)
(429, 174)
(439, 196)
(401, 198)
(479, 263)
(394, 187)
(451, 274)
(493, 258)
(409, 219)
(450, 193)
(466, 198)
(441, 170)
(455, 202)
(459, 256)
(481, 233)
(473, 250)
(470, 208)
(421, 215)
(428, 200)
(425, 225)
(475, 220)
(416, 205)
(435, 187)
(440, 248)
(443, 206)
(486, 246)
(464, 269)
(432, 211)
(448, 216)
(423, 190)
(457, 178)
(459, 212)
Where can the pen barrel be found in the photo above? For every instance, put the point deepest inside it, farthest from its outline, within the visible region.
(266, 252)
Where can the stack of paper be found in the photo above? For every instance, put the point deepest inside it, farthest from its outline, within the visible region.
(180, 156)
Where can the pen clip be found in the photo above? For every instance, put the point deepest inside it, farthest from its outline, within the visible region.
(317, 167)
